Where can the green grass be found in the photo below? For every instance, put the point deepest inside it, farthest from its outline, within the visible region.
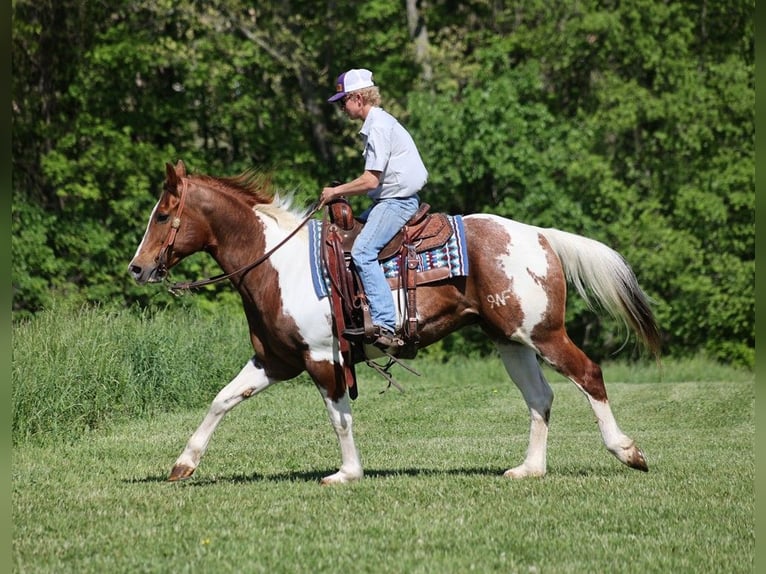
(79, 369)
(433, 499)
(90, 494)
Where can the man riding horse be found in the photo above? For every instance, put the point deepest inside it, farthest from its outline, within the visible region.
(393, 175)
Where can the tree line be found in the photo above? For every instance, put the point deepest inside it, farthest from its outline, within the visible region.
(629, 122)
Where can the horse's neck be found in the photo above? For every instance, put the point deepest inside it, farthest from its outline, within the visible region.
(242, 233)
(246, 238)
(230, 228)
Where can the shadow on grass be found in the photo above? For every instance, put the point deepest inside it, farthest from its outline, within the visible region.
(315, 476)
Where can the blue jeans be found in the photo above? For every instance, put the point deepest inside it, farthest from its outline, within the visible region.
(383, 220)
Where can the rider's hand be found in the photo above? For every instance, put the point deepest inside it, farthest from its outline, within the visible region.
(327, 195)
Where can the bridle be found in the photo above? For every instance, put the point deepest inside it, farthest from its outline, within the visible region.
(167, 247)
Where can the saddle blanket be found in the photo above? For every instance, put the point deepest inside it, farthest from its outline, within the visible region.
(453, 255)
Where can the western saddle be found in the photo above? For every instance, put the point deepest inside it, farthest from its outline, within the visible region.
(350, 309)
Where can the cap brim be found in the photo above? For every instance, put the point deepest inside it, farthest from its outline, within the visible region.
(336, 97)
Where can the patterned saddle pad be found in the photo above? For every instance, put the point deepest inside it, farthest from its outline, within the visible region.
(451, 258)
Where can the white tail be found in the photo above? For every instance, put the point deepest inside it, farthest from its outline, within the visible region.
(602, 275)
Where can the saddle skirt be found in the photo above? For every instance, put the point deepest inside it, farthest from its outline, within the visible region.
(441, 254)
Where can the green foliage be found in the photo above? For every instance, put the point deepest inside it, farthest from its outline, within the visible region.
(34, 261)
(81, 368)
(629, 123)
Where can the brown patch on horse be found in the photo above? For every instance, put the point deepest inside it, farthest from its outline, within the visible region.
(281, 351)
(550, 335)
(274, 334)
(326, 376)
(555, 312)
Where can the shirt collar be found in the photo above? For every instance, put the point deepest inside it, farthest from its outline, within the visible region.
(365, 130)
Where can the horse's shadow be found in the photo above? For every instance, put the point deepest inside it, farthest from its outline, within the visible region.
(310, 476)
(317, 476)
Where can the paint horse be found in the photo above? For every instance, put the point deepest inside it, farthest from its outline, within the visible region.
(516, 292)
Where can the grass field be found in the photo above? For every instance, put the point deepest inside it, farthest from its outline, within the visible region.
(433, 499)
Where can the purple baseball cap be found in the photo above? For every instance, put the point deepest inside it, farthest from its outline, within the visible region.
(351, 81)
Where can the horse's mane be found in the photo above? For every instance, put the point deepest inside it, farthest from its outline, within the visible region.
(256, 186)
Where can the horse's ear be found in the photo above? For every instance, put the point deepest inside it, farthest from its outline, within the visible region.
(170, 175)
(171, 179)
(174, 175)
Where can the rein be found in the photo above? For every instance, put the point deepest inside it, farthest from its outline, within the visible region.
(175, 288)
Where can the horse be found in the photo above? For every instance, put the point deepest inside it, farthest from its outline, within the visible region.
(515, 291)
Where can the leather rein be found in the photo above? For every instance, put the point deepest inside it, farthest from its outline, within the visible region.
(167, 248)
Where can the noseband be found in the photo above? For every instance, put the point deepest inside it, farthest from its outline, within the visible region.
(167, 246)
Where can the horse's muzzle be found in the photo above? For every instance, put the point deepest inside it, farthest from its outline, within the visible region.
(144, 275)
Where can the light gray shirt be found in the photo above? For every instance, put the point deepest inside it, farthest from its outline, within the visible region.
(389, 149)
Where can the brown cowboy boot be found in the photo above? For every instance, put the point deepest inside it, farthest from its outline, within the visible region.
(383, 338)
(387, 340)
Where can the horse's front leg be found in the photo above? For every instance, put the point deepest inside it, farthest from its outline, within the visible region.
(250, 381)
(340, 416)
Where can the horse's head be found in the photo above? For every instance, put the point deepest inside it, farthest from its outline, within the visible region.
(168, 238)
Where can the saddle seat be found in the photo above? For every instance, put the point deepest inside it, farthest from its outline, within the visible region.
(424, 230)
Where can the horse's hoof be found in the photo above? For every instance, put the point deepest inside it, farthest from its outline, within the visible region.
(523, 472)
(180, 472)
(340, 478)
(635, 459)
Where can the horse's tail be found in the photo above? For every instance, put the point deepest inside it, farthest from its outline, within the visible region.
(600, 273)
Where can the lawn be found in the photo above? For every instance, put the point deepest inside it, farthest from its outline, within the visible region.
(433, 499)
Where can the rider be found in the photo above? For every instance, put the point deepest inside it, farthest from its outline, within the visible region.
(393, 175)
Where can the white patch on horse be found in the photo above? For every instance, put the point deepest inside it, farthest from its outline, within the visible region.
(291, 261)
(523, 262)
(146, 232)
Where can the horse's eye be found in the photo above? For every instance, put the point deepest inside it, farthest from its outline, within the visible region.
(162, 217)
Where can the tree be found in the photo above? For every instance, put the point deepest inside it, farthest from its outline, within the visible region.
(630, 123)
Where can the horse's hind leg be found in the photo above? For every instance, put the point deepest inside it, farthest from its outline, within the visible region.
(250, 381)
(563, 355)
(522, 366)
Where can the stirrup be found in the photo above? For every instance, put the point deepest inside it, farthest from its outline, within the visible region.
(383, 338)
(386, 339)
(353, 333)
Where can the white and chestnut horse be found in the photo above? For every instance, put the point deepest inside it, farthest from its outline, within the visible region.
(516, 291)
